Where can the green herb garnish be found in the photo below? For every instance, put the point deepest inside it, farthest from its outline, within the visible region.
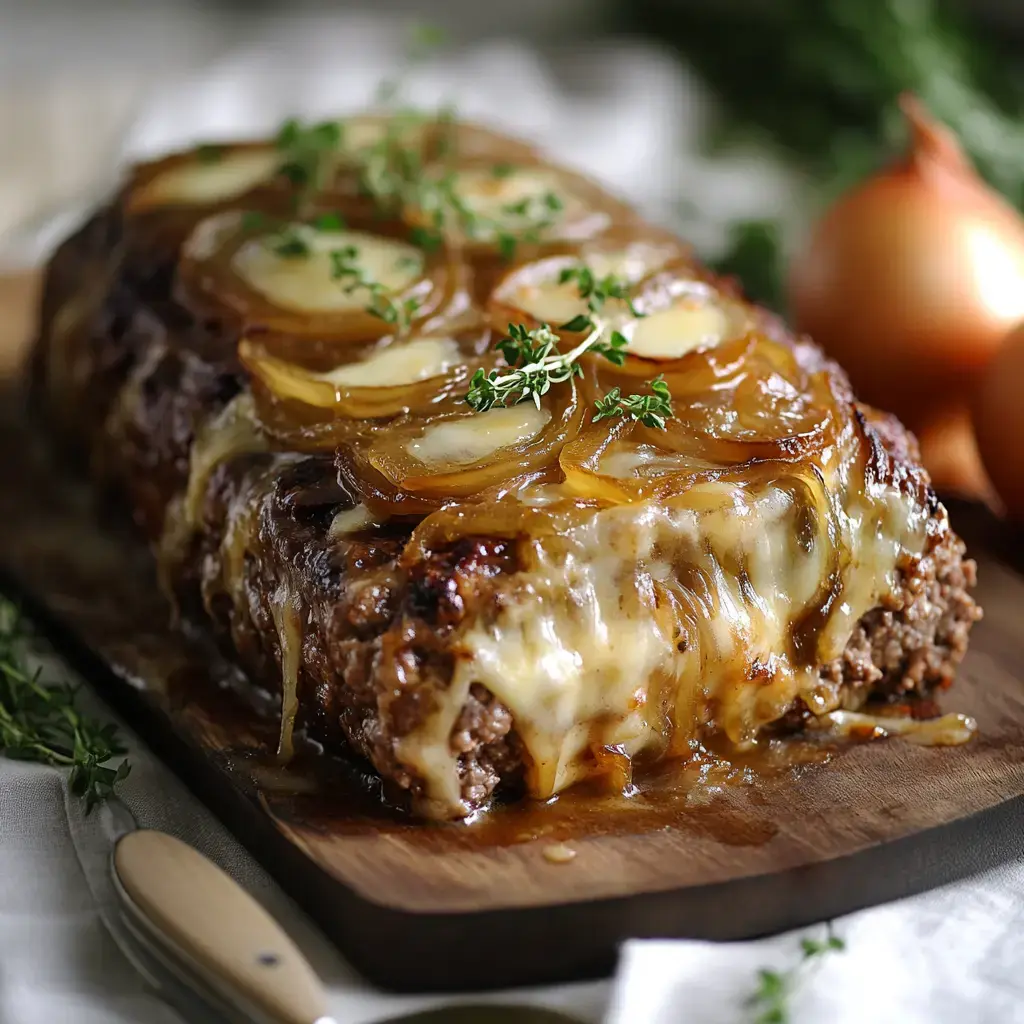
(209, 153)
(329, 222)
(253, 220)
(41, 722)
(771, 999)
(345, 268)
(291, 245)
(536, 362)
(309, 156)
(651, 410)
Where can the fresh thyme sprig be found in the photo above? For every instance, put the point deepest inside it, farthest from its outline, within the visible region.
(597, 291)
(536, 363)
(651, 410)
(771, 999)
(346, 268)
(41, 722)
(309, 156)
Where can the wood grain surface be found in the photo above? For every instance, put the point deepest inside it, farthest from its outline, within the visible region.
(428, 906)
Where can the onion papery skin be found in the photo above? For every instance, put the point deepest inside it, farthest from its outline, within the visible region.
(912, 279)
(209, 286)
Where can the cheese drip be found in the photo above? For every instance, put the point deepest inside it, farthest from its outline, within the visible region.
(286, 610)
(629, 629)
(304, 284)
(232, 432)
(952, 730)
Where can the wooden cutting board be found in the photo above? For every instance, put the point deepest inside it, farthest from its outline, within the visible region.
(443, 907)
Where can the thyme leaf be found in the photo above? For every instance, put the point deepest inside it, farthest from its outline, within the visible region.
(770, 1000)
(41, 721)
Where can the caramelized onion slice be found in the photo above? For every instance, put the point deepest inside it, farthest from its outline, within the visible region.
(745, 402)
(250, 274)
(203, 177)
(531, 293)
(463, 453)
(396, 376)
(681, 315)
(534, 203)
(744, 399)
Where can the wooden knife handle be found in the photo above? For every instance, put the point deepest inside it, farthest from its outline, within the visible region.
(239, 947)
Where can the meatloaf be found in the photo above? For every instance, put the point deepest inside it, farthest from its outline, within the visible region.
(267, 353)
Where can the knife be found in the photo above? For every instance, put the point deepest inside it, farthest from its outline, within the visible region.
(205, 945)
(215, 955)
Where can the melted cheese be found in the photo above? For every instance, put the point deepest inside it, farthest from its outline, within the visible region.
(951, 730)
(492, 198)
(687, 325)
(350, 520)
(627, 630)
(553, 303)
(206, 182)
(232, 432)
(397, 364)
(467, 440)
(304, 284)
(286, 610)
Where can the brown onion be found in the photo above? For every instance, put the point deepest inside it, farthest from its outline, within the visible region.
(998, 414)
(912, 280)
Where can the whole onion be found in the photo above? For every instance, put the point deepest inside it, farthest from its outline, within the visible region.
(998, 415)
(912, 279)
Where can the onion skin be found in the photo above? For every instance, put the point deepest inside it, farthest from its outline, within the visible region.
(997, 411)
(912, 280)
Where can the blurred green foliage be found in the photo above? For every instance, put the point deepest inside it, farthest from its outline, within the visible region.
(819, 79)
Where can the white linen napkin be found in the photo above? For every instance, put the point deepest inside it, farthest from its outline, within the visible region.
(954, 955)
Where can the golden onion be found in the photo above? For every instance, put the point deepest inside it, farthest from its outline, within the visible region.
(450, 456)
(530, 292)
(514, 205)
(231, 269)
(315, 400)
